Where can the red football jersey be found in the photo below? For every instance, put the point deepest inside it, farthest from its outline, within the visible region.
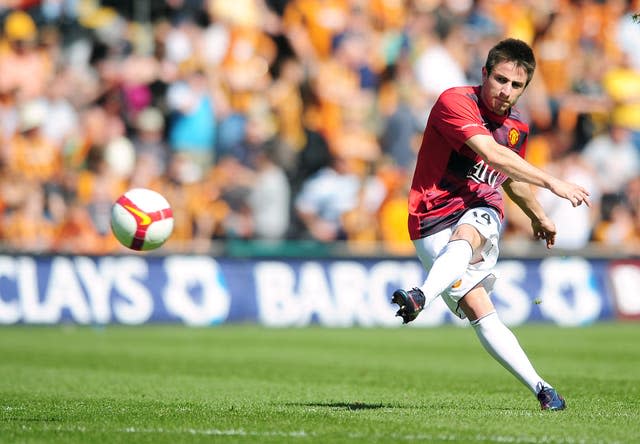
(450, 177)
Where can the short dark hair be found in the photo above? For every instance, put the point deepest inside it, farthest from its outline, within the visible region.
(512, 50)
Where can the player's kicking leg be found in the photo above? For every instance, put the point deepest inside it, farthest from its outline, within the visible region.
(446, 255)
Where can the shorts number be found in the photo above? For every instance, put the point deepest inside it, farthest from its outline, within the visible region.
(482, 218)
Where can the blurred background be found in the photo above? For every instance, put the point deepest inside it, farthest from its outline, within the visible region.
(291, 126)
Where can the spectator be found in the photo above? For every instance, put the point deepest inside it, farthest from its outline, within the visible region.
(198, 209)
(626, 32)
(270, 195)
(573, 225)
(361, 223)
(26, 69)
(61, 121)
(399, 105)
(616, 226)
(613, 157)
(311, 25)
(257, 189)
(192, 125)
(622, 84)
(314, 154)
(77, 234)
(328, 195)
(27, 228)
(392, 215)
(149, 141)
(438, 66)
(29, 151)
(285, 97)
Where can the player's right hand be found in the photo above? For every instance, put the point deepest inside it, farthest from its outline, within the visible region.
(574, 193)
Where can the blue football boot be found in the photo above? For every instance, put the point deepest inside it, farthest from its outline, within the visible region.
(550, 399)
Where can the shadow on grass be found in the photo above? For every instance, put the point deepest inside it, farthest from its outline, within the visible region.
(344, 405)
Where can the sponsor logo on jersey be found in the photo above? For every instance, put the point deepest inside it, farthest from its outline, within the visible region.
(481, 172)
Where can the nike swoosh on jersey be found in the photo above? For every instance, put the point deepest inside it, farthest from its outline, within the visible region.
(468, 125)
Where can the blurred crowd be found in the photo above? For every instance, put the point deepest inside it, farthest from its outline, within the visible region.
(295, 120)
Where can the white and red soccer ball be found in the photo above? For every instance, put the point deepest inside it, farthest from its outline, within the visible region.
(141, 219)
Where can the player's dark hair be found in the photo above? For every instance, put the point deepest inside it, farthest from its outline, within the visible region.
(512, 50)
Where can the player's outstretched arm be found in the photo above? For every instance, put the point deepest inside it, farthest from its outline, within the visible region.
(509, 163)
(523, 196)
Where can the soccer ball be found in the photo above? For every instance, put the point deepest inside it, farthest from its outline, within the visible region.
(141, 219)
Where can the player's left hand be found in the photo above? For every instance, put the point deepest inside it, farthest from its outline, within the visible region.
(544, 229)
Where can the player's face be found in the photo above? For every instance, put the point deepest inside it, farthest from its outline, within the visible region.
(502, 88)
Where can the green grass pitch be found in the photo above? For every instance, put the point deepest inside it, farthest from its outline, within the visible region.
(247, 384)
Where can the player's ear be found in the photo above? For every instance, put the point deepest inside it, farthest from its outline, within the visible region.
(485, 74)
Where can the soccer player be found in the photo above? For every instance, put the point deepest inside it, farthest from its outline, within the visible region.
(473, 143)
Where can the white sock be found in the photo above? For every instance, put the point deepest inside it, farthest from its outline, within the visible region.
(447, 268)
(502, 344)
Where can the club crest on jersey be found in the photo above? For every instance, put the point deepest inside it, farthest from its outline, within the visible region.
(514, 136)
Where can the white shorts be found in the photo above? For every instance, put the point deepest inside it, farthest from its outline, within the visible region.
(480, 269)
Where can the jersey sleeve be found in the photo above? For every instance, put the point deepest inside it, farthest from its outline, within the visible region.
(523, 148)
(457, 118)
